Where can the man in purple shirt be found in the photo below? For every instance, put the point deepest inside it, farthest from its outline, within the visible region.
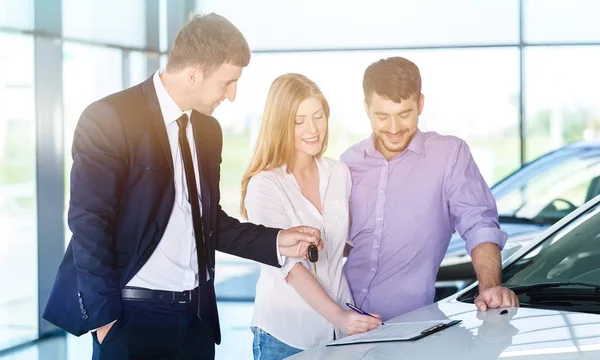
(410, 190)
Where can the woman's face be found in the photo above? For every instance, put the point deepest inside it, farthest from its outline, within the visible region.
(311, 127)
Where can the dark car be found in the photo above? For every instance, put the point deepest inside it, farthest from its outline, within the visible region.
(529, 201)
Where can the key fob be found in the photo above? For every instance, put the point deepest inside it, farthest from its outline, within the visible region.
(313, 253)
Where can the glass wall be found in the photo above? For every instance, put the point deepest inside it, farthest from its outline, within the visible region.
(561, 21)
(374, 24)
(462, 98)
(89, 74)
(469, 62)
(18, 220)
(562, 96)
(16, 14)
(105, 21)
(104, 49)
(471, 55)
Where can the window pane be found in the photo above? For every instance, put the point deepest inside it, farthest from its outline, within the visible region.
(16, 14)
(570, 254)
(162, 25)
(552, 188)
(89, 74)
(561, 21)
(18, 220)
(138, 68)
(462, 97)
(561, 91)
(111, 21)
(378, 23)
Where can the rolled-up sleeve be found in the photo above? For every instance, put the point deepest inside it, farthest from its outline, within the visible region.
(471, 203)
(264, 206)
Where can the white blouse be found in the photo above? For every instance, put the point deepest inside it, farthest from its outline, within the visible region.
(274, 199)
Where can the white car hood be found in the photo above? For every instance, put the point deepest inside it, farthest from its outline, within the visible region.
(522, 333)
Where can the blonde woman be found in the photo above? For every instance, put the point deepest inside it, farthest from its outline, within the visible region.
(290, 183)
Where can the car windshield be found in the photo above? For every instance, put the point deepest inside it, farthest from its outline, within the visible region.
(562, 272)
(551, 187)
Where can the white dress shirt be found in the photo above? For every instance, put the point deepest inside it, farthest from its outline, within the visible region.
(173, 265)
(274, 199)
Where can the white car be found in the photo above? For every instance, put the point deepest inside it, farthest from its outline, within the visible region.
(557, 279)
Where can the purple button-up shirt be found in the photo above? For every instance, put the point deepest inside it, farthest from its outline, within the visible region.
(404, 212)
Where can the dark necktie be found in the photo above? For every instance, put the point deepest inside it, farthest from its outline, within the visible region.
(190, 177)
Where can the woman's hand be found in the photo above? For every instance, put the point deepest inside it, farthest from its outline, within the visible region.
(352, 323)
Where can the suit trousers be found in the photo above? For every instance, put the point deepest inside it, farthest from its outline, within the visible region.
(152, 330)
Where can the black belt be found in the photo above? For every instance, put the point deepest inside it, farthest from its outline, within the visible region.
(160, 296)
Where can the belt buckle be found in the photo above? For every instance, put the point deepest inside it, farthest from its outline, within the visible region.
(163, 297)
(187, 293)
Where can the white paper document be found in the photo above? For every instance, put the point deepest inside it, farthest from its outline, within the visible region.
(395, 332)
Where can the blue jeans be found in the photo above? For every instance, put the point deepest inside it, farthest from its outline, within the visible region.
(266, 347)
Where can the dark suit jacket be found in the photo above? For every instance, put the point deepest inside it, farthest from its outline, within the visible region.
(122, 192)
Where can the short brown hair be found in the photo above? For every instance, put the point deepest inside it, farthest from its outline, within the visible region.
(394, 78)
(208, 41)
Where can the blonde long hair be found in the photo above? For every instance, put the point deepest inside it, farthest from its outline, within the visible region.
(275, 144)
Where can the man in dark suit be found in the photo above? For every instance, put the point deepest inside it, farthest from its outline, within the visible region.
(145, 215)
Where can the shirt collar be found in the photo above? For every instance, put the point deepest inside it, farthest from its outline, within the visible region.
(416, 145)
(169, 109)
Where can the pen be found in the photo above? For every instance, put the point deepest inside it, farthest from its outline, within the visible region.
(361, 311)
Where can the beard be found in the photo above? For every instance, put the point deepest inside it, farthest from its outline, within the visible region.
(393, 145)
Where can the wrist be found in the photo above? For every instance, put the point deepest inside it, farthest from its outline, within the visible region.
(484, 285)
(336, 315)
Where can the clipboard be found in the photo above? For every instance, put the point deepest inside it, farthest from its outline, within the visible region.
(406, 331)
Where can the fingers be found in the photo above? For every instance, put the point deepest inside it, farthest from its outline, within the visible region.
(376, 315)
(496, 297)
(320, 245)
(480, 303)
(514, 300)
(305, 240)
(506, 298)
(361, 325)
(294, 243)
(314, 234)
(303, 249)
(364, 320)
(495, 301)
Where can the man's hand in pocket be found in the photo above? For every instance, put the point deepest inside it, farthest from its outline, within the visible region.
(101, 333)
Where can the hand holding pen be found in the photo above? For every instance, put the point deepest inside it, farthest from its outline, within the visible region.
(351, 322)
(362, 312)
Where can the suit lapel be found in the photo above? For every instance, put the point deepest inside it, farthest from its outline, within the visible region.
(157, 120)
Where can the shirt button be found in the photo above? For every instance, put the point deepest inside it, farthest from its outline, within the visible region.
(379, 219)
(364, 290)
(372, 269)
(376, 246)
(382, 191)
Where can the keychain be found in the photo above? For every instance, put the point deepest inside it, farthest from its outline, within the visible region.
(313, 256)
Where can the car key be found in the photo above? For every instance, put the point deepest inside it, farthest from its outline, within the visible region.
(313, 256)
